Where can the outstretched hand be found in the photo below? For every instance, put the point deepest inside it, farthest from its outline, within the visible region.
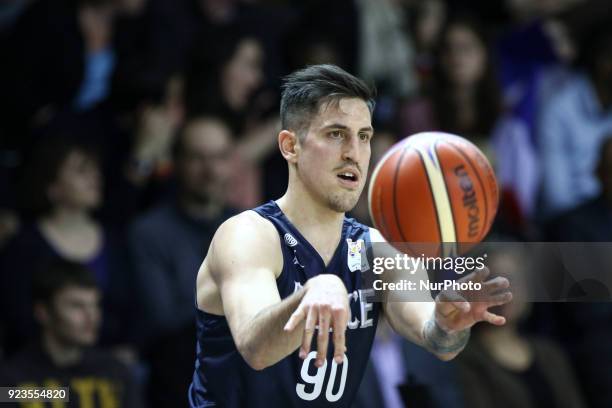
(324, 306)
(459, 310)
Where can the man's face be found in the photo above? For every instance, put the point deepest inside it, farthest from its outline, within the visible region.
(334, 155)
(74, 316)
(204, 163)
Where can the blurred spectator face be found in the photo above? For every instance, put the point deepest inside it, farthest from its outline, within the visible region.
(73, 317)
(131, 7)
(203, 163)
(463, 56)
(218, 11)
(78, 183)
(431, 14)
(242, 74)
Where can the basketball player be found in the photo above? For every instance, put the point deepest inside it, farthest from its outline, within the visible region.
(279, 275)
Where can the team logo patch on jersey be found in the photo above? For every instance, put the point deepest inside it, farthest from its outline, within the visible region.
(290, 240)
(353, 258)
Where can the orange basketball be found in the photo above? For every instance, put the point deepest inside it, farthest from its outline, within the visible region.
(433, 187)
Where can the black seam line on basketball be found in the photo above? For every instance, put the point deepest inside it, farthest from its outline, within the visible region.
(484, 193)
(447, 195)
(395, 213)
(433, 199)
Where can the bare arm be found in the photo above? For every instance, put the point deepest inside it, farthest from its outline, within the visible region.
(244, 260)
(260, 141)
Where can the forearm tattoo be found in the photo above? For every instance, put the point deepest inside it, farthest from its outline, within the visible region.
(440, 342)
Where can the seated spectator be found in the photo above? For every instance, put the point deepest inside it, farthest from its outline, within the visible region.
(464, 95)
(502, 367)
(585, 326)
(533, 56)
(66, 305)
(572, 126)
(426, 24)
(224, 82)
(60, 190)
(167, 246)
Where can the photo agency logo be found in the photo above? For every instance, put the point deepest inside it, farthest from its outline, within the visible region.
(411, 264)
(537, 271)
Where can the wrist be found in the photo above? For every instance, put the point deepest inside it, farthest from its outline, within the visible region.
(325, 280)
(442, 341)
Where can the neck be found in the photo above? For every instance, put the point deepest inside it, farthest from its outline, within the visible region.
(61, 354)
(199, 209)
(464, 93)
(67, 217)
(305, 212)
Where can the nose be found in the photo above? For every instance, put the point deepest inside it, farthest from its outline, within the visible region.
(350, 149)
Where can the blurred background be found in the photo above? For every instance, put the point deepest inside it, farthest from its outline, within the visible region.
(130, 129)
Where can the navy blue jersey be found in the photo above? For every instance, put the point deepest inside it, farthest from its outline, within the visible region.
(223, 378)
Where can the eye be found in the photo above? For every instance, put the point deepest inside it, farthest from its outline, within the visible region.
(336, 134)
(364, 137)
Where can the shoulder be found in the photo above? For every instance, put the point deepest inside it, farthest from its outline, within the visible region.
(568, 96)
(248, 225)
(382, 246)
(246, 237)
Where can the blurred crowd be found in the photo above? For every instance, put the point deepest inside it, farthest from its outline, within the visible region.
(131, 129)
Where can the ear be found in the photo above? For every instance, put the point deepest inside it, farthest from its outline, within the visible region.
(289, 145)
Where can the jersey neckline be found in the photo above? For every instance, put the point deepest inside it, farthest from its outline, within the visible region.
(307, 243)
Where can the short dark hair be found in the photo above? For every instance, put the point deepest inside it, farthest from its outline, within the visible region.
(42, 169)
(57, 275)
(304, 90)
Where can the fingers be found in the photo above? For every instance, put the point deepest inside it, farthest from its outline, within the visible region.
(340, 317)
(479, 275)
(496, 284)
(311, 320)
(450, 301)
(323, 334)
(493, 318)
(296, 318)
(325, 316)
(499, 299)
